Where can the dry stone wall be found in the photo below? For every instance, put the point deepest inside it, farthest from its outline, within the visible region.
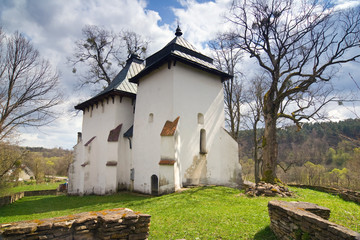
(5, 200)
(345, 194)
(300, 220)
(40, 193)
(120, 223)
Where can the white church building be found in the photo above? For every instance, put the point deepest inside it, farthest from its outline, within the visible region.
(158, 127)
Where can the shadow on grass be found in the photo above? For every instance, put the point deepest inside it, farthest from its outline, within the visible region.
(73, 204)
(51, 203)
(265, 234)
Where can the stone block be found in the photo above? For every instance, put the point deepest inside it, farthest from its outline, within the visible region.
(106, 224)
(312, 223)
(138, 236)
(20, 229)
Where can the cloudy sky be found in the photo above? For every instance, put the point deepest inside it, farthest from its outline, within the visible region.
(54, 25)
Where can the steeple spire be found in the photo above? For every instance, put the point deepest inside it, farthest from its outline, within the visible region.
(178, 32)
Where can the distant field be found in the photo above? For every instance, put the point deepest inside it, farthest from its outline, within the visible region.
(197, 213)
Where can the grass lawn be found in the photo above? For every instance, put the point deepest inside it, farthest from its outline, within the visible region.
(33, 187)
(197, 213)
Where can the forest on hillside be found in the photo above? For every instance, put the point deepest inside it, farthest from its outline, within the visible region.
(37, 162)
(326, 153)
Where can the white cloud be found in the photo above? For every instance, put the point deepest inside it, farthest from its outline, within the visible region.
(200, 22)
(345, 4)
(53, 26)
(347, 110)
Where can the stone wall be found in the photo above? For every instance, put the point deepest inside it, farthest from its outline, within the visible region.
(121, 223)
(5, 200)
(40, 193)
(345, 194)
(300, 220)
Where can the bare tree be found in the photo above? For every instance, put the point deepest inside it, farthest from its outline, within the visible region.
(103, 53)
(298, 44)
(134, 43)
(352, 98)
(226, 56)
(254, 102)
(28, 86)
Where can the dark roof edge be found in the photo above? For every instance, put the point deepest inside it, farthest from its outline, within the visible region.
(173, 47)
(224, 76)
(129, 132)
(94, 100)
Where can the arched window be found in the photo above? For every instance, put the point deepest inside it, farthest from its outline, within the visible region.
(203, 141)
(151, 117)
(200, 118)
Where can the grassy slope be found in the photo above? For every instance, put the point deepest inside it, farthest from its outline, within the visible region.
(203, 213)
(34, 187)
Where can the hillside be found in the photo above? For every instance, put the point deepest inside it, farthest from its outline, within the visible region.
(320, 153)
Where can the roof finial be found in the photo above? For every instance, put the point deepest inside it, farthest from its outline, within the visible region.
(178, 32)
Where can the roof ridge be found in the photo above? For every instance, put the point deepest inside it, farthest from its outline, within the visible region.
(123, 75)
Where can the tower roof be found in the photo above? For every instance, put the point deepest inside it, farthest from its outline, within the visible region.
(179, 49)
(120, 85)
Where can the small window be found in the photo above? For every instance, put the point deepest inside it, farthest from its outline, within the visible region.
(200, 118)
(203, 141)
(151, 117)
(132, 174)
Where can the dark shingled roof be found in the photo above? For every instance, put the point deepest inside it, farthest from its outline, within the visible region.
(120, 86)
(129, 132)
(180, 50)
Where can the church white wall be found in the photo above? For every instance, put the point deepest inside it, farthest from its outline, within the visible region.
(76, 172)
(98, 121)
(222, 162)
(167, 147)
(198, 93)
(166, 179)
(154, 97)
(124, 162)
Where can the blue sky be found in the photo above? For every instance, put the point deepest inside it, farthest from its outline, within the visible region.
(54, 25)
(164, 8)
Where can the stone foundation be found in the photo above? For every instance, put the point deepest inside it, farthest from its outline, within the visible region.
(121, 223)
(301, 220)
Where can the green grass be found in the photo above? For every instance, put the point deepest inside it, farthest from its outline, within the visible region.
(32, 186)
(197, 213)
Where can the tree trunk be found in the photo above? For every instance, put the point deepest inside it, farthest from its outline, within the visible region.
(256, 158)
(270, 148)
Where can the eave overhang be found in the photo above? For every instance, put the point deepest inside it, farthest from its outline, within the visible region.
(101, 97)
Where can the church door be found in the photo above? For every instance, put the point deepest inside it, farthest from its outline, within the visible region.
(154, 185)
